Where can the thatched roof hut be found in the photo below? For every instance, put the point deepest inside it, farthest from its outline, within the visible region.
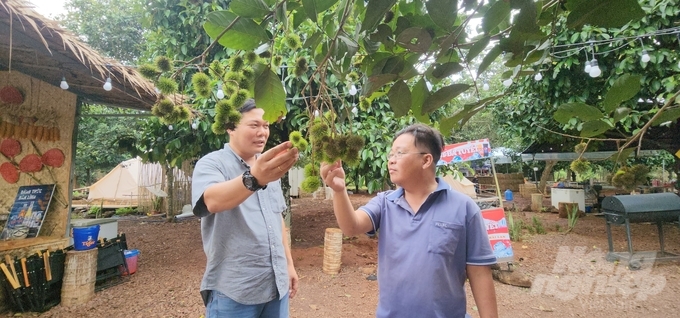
(39, 47)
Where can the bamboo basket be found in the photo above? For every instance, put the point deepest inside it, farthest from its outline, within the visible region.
(332, 251)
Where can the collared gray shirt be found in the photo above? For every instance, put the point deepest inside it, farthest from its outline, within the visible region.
(244, 245)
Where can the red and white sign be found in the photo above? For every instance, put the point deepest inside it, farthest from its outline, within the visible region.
(499, 236)
(464, 151)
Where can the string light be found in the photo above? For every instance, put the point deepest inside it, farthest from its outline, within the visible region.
(170, 127)
(507, 82)
(538, 76)
(63, 83)
(220, 92)
(485, 86)
(194, 125)
(352, 90)
(107, 86)
(595, 70)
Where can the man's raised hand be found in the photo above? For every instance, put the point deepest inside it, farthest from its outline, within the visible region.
(333, 175)
(274, 163)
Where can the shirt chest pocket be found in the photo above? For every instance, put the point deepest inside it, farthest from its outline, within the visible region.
(444, 237)
(276, 201)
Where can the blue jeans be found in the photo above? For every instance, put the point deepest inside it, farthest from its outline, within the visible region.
(221, 306)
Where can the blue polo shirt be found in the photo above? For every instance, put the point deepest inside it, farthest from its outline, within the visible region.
(422, 256)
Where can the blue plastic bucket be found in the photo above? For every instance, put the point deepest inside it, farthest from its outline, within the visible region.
(85, 238)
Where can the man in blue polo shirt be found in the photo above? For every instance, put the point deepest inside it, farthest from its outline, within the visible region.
(431, 237)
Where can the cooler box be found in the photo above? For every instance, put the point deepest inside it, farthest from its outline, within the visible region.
(108, 228)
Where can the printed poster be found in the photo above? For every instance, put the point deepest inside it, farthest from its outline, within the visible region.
(464, 151)
(499, 236)
(28, 212)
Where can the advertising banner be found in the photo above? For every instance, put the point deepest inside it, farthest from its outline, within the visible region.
(27, 213)
(499, 236)
(464, 151)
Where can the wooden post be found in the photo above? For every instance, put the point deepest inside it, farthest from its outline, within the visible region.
(495, 178)
(536, 202)
(80, 276)
(332, 251)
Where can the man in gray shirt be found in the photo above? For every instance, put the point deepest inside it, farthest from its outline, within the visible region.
(236, 191)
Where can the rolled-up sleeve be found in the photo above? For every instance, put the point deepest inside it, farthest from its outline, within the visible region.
(479, 250)
(206, 173)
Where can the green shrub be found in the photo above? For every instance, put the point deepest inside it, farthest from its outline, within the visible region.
(96, 210)
(125, 211)
(537, 225)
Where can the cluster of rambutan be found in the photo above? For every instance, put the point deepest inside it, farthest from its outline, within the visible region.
(329, 147)
(164, 108)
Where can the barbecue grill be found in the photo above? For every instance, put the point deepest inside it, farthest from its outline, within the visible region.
(626, 209)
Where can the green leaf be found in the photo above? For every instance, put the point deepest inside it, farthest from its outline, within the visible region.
(604, 13)
(671, 114)
(375, 82)
(580, 110)
(622, 155)
(623, 89)
(477, 48)
(270, 95)
(400, 98)
(498, 12)
(245, 34)
(314, 7)
(488, 59)
(375, 11)
(443, 96)
(440, 71)
(249, 8)
(443, 12)
(418, 96)
(621, 113)
(594, 128)
(415, 39)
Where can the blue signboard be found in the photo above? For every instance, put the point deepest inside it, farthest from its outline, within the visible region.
(28, 212)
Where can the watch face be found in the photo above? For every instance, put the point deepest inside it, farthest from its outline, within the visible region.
(249, 181)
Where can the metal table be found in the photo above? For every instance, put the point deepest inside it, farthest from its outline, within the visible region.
(625, 209)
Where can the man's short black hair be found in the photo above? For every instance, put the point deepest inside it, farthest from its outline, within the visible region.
(246, 107)
(426, 139)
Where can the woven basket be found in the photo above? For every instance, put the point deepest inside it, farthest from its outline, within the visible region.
(332, 251)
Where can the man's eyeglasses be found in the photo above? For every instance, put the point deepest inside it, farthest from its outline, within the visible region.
(399, 154)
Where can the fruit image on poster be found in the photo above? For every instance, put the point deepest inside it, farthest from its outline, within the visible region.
(497, 228)
(28, 212)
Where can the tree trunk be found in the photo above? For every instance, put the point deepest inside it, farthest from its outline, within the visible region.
(677, 173)
(546, 174)
(170, 190)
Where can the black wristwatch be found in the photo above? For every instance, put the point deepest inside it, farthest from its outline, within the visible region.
(251, 183)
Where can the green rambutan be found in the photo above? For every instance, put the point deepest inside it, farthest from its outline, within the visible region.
(166, 86)
(201, 84)
(148, 71)
(234, 117)
(236, 63)
(163, 63)
(252, 58)
(355, 142)
(292, 41)
(310, 184)
(218, 128)
(165, 106)
(311, 170)
(224, 106)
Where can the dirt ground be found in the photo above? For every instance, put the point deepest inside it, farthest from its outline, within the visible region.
(570, 275)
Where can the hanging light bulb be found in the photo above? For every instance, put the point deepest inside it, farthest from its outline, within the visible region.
(429, 85)
(507, 82)
(594, 69)
(170, 127)
(194, 125)
(63, 83)
(588, 67)
(107, 85)
(220, 92)
(538, 76)
(485, 87)
(352, 90)
(645, 57)
(316, 113)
